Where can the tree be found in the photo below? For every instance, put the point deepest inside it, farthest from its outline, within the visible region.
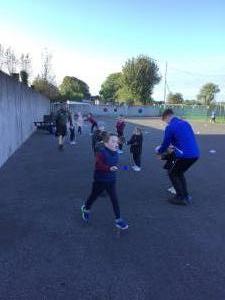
(11, 61)
(176, 98)
(25, 63)
(110, 86)
(46, 73)
(140, 75)
(207, 93)
(2, 57)
(46, 88)
(124, 95)
(24, 77)
(73, 88)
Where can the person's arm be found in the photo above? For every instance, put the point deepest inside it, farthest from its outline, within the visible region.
(131, 141)
(166, 141)
(100, 164)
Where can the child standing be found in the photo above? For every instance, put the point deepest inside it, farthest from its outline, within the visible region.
(80, 122)
(93, 122)
(136, 148)
(120, 126)
(105, 180)
(72, 134)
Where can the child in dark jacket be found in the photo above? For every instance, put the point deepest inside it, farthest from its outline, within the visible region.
(120, 126)
(105, 179)
(136, 148)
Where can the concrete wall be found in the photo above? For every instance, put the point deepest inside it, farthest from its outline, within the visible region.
(20, 106)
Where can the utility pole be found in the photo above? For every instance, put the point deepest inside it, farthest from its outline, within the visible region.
(165, 83)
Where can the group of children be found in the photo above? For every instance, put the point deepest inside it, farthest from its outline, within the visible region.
(63, 116)
(107, 147)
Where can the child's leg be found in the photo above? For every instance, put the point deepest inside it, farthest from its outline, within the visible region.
(111, 190)
(92, 127)
(97, 189)
(60, 140)
(72, 135)
(120, 136)
(137, 159)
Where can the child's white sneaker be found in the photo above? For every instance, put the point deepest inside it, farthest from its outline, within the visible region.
(172, 190)
(136, 169)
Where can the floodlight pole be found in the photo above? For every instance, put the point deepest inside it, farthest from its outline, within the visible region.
(165, 83)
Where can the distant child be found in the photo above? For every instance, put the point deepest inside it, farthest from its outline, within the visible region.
(136, 148)
(93, 122)
(72, 134)
(213, 117)
(120, 126)
(98, 138)
(105, 179)
(80, 123)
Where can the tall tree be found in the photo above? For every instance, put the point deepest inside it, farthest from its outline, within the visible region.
(110, 87)
(11, 61)
(2, 57)
(207, 93)
(25, 63)
(140, 75)
(46, 72)
(46, 88)
(176, 98)
(73, 88)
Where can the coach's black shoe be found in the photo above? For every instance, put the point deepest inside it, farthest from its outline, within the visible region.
(176, 201)
(60, 147)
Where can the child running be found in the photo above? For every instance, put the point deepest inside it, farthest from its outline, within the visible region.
(105, 180)
(80, 122)
(120, 126)
(136, 148)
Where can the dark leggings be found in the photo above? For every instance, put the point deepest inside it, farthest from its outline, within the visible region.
(79, 130)
(176, 175)
(72, 134)
(121, 140)
(93, 127)
(137, 158)
(97, 189)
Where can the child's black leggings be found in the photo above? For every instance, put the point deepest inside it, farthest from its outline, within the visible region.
(72, 134)
(97, 189)
(94, 125)
(137, 158)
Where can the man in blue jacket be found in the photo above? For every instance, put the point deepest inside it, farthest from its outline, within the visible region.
(179, 137)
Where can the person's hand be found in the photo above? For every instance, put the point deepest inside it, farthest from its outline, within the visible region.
(113, 169)
(159, 156)
(170, 149)
(157, 150)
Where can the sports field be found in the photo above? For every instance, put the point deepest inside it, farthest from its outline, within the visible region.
(169, 252)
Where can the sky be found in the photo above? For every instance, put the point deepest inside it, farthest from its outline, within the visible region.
(91, 39)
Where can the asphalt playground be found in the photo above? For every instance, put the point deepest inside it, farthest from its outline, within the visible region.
(168, 253)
